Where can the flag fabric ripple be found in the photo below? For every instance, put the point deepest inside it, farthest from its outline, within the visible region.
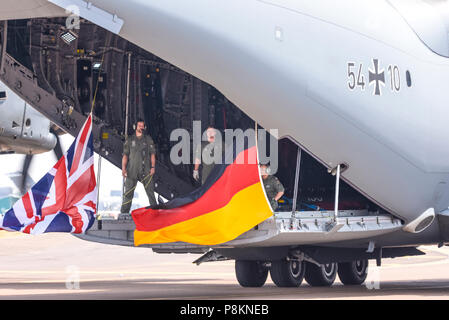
(64, 200)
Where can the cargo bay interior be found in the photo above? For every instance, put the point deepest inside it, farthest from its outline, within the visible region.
(316, 185)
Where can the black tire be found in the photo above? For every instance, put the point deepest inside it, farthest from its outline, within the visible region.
(353, 273)
(321, 276)
(287, 273)
(250, 273)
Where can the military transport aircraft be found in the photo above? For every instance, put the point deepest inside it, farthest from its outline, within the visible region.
(358, 91)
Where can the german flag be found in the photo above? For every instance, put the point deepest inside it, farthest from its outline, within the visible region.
(231, 202)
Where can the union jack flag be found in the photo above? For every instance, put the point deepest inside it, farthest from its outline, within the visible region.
(64, 200)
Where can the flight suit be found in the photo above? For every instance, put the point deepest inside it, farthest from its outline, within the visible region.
(272, 187)
(206, 148)
(139, 151)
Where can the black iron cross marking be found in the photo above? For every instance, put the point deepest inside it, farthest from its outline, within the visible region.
(376, 76)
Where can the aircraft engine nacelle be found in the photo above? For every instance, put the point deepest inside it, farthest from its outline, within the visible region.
(22, 129)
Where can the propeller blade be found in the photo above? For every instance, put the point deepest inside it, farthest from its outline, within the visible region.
(25, 168)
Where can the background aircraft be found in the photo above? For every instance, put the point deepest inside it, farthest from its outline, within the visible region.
(25, 131)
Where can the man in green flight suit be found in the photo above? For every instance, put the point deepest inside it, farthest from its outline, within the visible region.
(205, 155)
(273, 187)
(138, 164)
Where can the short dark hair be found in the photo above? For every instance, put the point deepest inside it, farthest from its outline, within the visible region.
(140, 120)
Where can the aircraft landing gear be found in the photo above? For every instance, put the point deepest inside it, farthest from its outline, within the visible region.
(322, 275)
(353, 273)
(287, 273)
(290, 273)
(250, 273)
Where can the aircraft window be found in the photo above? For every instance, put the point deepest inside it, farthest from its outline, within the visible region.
(28, 122)
(2, 95)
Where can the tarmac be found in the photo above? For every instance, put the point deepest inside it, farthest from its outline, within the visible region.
(61, 266)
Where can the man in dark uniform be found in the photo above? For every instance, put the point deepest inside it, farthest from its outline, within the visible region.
(138, 164)
(207, 150)
(273, 187)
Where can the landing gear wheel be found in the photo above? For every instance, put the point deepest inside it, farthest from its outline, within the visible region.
(321, 276)
(250, 273)
(287, 273)
(353, 273)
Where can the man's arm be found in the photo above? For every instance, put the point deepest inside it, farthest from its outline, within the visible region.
(152, 155)
(153, 160)
(124, 164)
(280, 189)
(197, 163)
(125, 158)
(196, 174)
(279, 195)
(153, 164)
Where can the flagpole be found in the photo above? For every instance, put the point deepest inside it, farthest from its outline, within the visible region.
(91, 119)
(98, 182)
(127, 112)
